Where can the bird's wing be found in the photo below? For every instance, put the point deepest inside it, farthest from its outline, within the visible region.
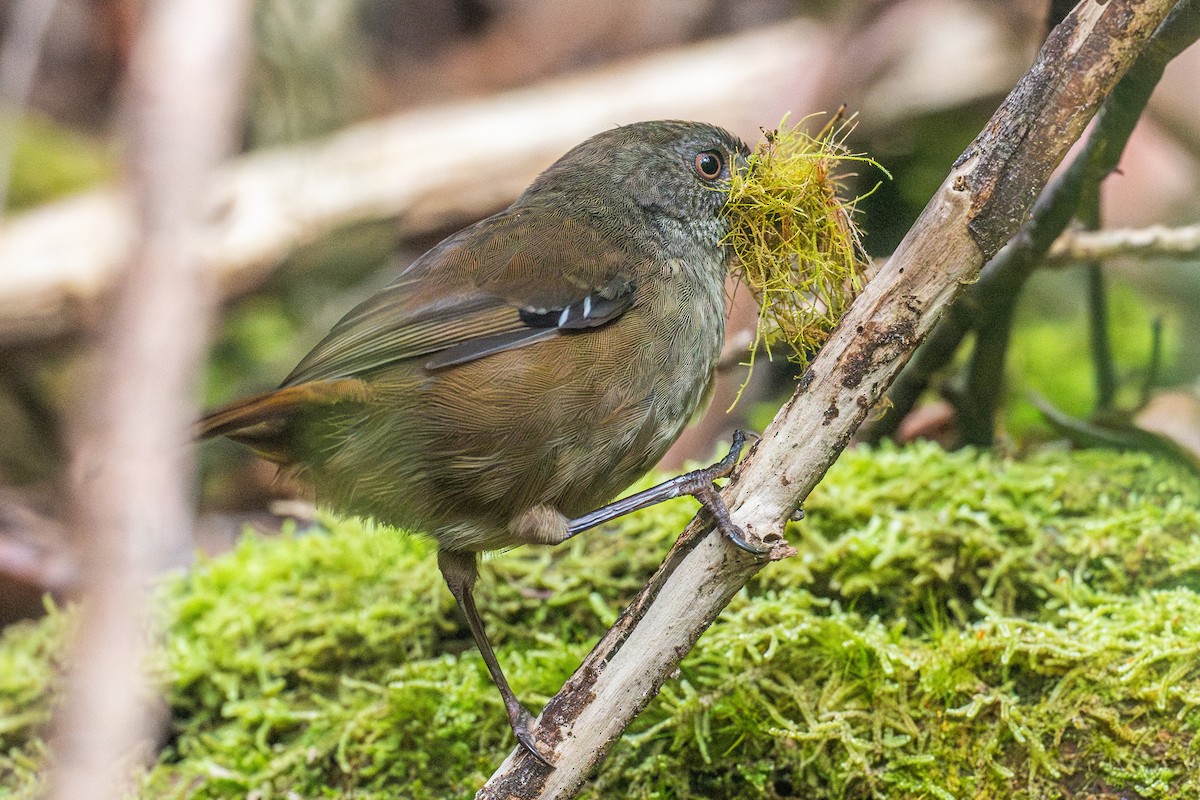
(509, 281)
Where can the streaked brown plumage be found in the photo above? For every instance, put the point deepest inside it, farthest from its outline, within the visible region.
(526, 369)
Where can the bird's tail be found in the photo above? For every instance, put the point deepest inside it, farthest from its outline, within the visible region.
(268, 423)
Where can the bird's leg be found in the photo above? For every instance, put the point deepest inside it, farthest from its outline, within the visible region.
(459, 571)
(698, 483)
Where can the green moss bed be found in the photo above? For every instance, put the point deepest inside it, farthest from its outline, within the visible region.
(957, 625)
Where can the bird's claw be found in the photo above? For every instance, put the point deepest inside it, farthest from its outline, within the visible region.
(708, 493)
(736, 535)
(523, 726)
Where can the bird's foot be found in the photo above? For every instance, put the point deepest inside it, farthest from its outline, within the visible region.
(698, 483)
(701, 485)
(523, 727)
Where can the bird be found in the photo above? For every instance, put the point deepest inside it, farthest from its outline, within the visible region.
(521, 373)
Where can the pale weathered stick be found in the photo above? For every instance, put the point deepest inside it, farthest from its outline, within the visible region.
(131, 472)
(977, 208)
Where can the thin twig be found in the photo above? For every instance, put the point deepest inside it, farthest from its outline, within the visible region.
(1077, 246)
(1105, 371)
(1153, 363)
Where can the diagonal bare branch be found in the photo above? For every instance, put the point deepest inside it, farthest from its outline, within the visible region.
(976, 210)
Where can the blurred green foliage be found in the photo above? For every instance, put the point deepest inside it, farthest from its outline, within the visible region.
(310, 69)
(50, 161)
(1049, 353)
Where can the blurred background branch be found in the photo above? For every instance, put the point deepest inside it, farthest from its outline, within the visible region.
(424, 167)
(1156, 241)
(987, 309)
(428, 168)
(132, 508)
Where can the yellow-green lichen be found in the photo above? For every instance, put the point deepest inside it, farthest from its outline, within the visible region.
(958, 625)
(793, 237)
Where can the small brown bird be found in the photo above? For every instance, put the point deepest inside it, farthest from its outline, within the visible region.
(527, 368)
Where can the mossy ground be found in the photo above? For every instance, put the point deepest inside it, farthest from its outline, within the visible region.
(957, 625)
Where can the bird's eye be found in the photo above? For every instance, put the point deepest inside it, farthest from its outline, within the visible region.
(709, 164)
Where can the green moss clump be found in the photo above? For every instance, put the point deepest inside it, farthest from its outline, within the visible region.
(793, 237)
(30, 658)
(957, 626)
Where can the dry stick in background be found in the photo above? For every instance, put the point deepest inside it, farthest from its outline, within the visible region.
(974, 212)
(1153, 242)
(422, 166)
(131, 503)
